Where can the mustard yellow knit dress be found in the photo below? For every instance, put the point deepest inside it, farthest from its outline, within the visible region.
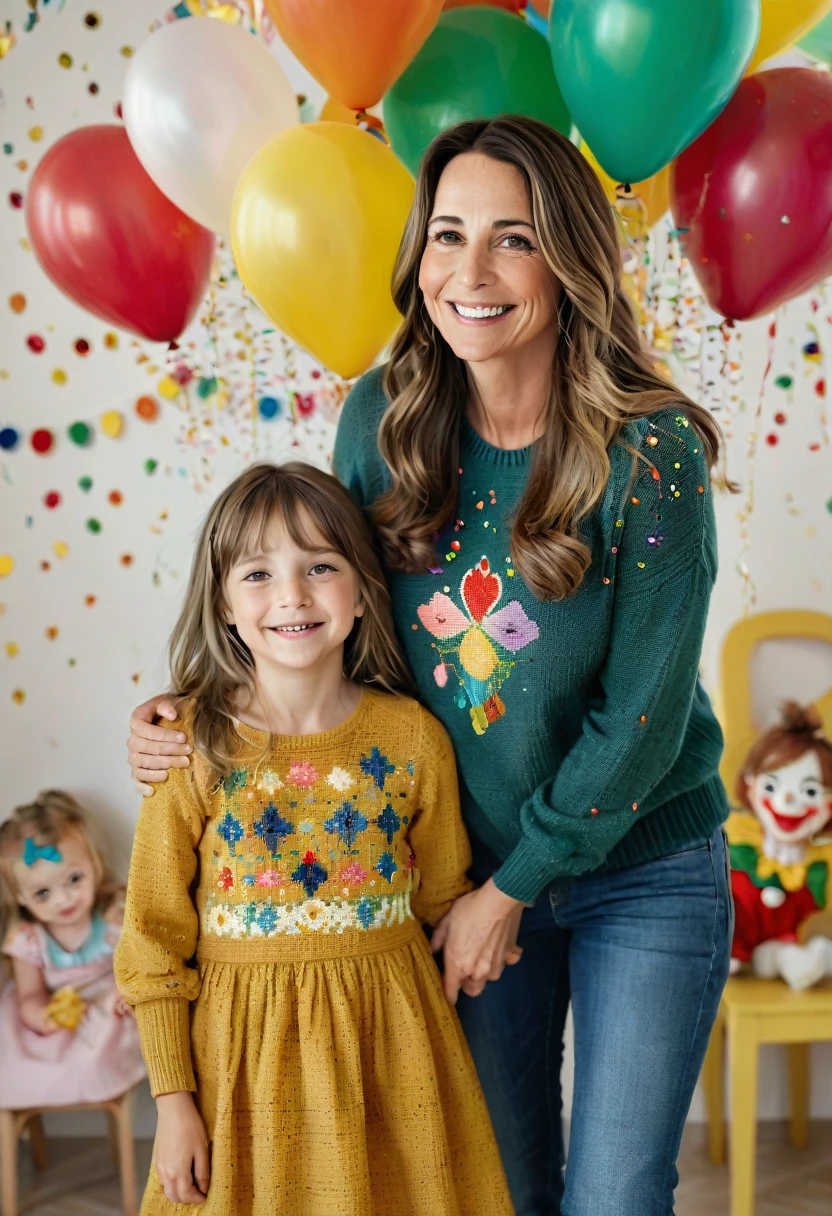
(273, 951)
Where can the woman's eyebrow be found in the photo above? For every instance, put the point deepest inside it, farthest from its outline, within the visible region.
(455, 219)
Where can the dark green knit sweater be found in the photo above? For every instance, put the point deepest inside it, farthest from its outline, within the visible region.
(583, 737)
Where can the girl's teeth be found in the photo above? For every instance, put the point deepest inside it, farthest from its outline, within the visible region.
(292, 628)
(478, 313)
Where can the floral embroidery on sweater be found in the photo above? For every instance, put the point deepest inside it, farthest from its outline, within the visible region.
(483, 642)
(340, 862)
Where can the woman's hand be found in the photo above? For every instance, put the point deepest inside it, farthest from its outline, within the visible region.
(478, 937)
(180, 1153)
(152, 750)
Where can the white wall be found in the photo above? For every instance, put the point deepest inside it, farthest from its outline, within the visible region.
(80, 687)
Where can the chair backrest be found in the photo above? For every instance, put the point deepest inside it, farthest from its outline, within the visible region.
(819, 924)
(734, 705)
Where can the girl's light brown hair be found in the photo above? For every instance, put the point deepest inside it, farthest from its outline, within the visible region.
(48, 820)
(798, 732)
(209, 662)
(602, 378)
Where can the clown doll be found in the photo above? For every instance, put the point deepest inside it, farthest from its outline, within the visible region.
(781, 871)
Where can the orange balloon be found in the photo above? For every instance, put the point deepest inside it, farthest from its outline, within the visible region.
(333, 111)
(354, 48)
(654, 192)
(541, 6)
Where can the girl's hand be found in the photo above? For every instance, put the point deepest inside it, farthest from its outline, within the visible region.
(122, 1009)
(180, 1152)
(34, 1016)
(478, 936)
(152, 750)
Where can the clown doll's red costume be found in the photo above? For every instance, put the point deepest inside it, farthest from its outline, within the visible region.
(781, 868)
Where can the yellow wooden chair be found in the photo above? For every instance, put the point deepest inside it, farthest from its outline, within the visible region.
(755, 1011)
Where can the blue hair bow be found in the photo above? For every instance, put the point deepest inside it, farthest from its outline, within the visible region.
(34, 852)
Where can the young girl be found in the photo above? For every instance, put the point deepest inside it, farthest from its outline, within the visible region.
(66, 1036)
(290, 1013)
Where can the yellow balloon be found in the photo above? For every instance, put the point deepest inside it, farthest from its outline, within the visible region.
(317, 220)
(333, 111)
(783, 22)
(654, 192)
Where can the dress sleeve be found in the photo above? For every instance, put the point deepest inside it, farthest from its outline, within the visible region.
(663, 577)
(23, 944)
(437, 836)
(159, 936)
(357, 462)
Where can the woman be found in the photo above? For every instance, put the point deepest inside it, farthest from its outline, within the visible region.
(541, 498)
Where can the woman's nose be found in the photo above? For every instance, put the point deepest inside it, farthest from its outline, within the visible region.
(475, 269)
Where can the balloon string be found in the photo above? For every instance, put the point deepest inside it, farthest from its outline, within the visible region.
(749, 586)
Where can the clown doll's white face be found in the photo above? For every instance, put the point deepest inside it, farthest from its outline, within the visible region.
(791, 802)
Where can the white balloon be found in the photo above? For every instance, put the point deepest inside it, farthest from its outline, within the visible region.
(201, 97)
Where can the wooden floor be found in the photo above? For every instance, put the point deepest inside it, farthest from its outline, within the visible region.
(81, 1180)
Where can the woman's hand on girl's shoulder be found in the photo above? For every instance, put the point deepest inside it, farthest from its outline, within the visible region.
(181, 1149)
(151, 749)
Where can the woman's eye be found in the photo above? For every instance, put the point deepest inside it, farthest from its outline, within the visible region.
(447, 238)
(515, 241)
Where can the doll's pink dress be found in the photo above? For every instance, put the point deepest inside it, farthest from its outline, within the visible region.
(98, 1060)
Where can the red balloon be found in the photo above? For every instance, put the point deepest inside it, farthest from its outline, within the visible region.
(754, 192)
(109, 238)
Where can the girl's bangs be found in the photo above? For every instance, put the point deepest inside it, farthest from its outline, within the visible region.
(247, 528)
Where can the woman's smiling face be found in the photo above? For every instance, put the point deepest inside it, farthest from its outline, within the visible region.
(485, 283)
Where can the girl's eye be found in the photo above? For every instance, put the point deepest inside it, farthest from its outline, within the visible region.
(256, 576)
(76, 878)
(42, 893)
(322, 568)
(515, 241)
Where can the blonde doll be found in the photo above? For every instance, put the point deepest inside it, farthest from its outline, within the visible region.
(309, 1042)
(65, 1034)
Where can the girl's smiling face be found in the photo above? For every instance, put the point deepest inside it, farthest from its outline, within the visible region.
(293, 604)
(791, 801)
(59, 893)
(485, 283)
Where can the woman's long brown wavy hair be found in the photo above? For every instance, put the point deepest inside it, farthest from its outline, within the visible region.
(209, 662)
(602, 378)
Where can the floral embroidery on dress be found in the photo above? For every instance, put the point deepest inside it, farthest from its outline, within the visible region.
(302, 774)
(226, 879)
(311, 916)
(375, 765)
(235, 780)
(386, 866)
(340, 779)
(346, 823)
(273, 827)
(389, 822)
(353, 875)
(270, 878)
(231, 830)
(487, 641)
(310, 874)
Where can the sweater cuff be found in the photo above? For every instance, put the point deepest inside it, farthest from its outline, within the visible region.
(165, 1034)
(524, 873)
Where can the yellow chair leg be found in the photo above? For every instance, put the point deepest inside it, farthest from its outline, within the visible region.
(126, 1153)
(8, 1163)
(743, 1049)
(798, 1056)
(713, 1083)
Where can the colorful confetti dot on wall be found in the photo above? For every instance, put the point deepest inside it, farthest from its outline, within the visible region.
(59, 376)
(150, 466)
(94, 526)
(92, 21)
(60, 548)
(18, 696)
(112, 423)
(115, 498)
(12, 650)
(17, 302)
(92, 88)
(269, 407)
(147, 408)
(111, 340)
(784, 382)
(6, 564)
(89, 600)
(127, 559)
(42, 441)
(167, 387)
(80, 433)
(9, 438)
(52, 500)
(51, 632)
(65, 60)
(36, 134)
(85, 484)
(15, 200)
(82, 346)
(36, 344)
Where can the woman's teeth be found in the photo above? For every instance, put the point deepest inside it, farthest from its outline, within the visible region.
(478, 313)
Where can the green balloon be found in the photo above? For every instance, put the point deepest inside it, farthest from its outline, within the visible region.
(818, 42)
(477, 63)
(644, 78)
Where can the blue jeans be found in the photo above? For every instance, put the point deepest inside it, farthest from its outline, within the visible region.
(643, 956)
